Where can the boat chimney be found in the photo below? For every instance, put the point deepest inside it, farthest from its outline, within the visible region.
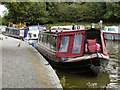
(100, 23)
(73, 27)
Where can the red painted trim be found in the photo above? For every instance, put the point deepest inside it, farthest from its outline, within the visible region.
(71, 33)
(103, 38)
(103, 45)
(70, 46)
(111, 33)
(71, 43)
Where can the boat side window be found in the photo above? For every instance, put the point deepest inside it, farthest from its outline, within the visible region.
(14, 32)
(34, 35)
(29, 35)
(11, 31)
(64, 44)
(77, 44)
(111, 29)
(44, 39)
(105, 29)
(53, 42)
(40, 38)
(48, 40)
(18, 32)
(7, 30)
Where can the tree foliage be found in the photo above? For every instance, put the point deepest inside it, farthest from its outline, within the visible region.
(53, 12)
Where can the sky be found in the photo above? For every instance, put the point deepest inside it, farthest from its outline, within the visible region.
(2, 8)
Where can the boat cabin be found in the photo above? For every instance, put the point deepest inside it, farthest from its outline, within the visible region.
(74, 43)
(112, 32)
(111, 29)
(16, 32)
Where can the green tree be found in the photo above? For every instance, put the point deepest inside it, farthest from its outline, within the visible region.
(112, 11)
(30, 12)
(54, 12)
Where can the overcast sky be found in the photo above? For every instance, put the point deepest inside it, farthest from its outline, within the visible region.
(2, 8)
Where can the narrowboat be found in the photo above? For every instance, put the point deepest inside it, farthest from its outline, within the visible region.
(74, 51)
(112, 32)
(33, 31)
(20, 33)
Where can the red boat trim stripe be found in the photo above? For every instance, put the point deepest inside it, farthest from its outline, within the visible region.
(103, 45)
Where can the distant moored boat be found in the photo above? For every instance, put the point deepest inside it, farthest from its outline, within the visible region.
(112, 32)
(32, 34)
(16, 32)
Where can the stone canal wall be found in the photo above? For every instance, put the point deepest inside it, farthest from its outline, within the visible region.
(24, 67)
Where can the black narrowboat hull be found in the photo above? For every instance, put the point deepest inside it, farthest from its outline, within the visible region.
(92, 66)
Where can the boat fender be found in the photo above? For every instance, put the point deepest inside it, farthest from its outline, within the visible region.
(33, 44)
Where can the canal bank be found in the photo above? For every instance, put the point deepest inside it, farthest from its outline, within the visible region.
(24, 67)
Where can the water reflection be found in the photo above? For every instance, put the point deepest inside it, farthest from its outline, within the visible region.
(80, 81)
(114, 64)
(111, 78)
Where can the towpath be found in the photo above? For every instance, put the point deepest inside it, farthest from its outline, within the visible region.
(23, 67)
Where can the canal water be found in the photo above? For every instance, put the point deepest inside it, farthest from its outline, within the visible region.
(110, 79)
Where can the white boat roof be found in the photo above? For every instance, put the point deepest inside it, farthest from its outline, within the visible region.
(1, 26)
(34, 32)
(36, 27)
(69, 27)
(111, 26)
(56, 27)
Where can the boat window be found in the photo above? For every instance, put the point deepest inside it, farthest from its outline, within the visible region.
(18, 32)
(14, 32)
(34, 35)
(64, 44)
(44, 39)
(77, 44)
(11, 31)
(48, 40)
(53, 43)
(105, 29)
(111, 29)
(40, 38)
(29, 35)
